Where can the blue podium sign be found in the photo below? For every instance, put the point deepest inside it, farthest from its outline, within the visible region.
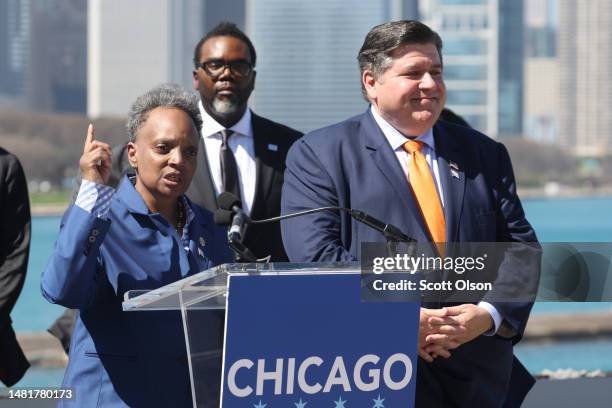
(308, 341)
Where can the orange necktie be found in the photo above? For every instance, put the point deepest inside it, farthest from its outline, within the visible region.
(425, 191)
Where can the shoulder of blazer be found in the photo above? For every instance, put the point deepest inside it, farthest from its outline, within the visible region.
(358, 129)
(464, 138)
(272, 132)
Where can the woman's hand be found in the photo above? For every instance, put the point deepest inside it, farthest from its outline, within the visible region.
(95, 163)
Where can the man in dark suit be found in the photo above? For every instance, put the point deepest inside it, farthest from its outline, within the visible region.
(14, 251)
(240, 152)
(437, 182)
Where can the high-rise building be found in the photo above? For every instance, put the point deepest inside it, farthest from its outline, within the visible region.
(135, 45)
(14, 49)
(307, 72)
(43, 55)
(540, 28)
(57, 65)
(510, 57)
(542, 99)
(585, 61)
(541, 90)
(483, 60)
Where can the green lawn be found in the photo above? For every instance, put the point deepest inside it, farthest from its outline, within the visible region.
(52, 197)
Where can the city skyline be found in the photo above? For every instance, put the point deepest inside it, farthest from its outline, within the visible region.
(483, 61)
(585, 68)
(504, 61)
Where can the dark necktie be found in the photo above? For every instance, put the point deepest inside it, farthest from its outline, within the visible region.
(229, 168)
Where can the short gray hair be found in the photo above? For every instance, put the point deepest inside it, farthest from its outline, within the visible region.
(162, 96)
(376, 53)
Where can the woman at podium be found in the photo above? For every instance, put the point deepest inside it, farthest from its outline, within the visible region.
(144, 235)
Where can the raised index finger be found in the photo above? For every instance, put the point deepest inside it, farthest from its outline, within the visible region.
(90, 137)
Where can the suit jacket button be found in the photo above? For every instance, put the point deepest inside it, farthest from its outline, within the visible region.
(91, 239)
(95, 232)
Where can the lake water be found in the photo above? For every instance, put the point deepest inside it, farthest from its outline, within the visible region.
(559, 220)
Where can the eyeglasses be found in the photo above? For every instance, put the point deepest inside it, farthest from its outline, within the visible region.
(215, 68)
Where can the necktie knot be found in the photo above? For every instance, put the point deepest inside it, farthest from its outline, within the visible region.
(225, 134)
(412, 146)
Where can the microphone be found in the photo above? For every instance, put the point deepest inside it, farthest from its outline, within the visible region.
(228, 202)
(230, 212)
(222, 217)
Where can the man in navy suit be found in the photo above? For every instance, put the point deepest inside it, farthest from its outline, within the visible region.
(367, 163)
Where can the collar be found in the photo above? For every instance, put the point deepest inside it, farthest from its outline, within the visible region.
(130, 197)
(135, 203)
(190, 215)
(211, 127)
(395, 138)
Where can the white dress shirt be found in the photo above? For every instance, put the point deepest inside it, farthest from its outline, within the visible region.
(396, 139)
(242, 145)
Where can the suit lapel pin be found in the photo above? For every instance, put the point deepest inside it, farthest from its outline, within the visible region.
(273, 147)
(202, 241)
(454, 169)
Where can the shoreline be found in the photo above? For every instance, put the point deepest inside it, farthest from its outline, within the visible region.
(541, 193)
(48, 210)
(44, 350)
(558, 327)
(528, 193)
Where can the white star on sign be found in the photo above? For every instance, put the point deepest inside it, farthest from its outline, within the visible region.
(340, 403)
(260, 405)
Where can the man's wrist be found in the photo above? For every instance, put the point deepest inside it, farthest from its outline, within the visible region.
(494, 315)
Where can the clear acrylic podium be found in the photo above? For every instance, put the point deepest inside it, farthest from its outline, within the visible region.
(202, 300)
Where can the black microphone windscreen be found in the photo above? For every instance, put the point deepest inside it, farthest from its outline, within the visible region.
(228, 200)
(222, 217)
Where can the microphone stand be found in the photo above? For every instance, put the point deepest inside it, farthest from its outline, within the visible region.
(242, 253)
(392, 234)
(230, 206)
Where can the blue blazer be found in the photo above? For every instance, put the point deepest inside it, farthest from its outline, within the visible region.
(134, 359)
(352, 165)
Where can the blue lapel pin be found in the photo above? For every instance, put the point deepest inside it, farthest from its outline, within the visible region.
(273, 147)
